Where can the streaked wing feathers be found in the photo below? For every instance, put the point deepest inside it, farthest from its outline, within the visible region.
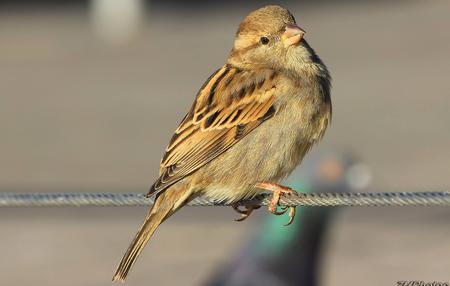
(231, 104)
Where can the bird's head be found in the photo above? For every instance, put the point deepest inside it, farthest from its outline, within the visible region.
(269, 38)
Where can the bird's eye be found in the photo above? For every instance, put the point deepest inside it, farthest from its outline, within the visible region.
(264, 40)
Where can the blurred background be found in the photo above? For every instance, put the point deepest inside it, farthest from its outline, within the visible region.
(91, 91)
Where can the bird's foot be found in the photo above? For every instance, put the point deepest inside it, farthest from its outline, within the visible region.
(245, 213)
(277, 191)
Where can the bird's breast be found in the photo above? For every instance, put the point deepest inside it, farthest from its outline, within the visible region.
(303, 115)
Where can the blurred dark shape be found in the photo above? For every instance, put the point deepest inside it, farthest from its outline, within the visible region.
(279, 255)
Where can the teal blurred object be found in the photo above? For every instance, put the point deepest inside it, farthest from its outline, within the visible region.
(280, 255)
(276, 237)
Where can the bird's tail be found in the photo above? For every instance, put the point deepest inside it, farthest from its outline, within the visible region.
(165, 205)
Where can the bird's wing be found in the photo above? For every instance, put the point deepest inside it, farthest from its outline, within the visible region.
(230, 104)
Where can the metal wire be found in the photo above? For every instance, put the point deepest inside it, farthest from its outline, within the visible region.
(300, 199)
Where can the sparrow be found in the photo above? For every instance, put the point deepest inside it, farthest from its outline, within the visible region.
(250, 125)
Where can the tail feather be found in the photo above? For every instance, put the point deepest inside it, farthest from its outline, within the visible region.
(162, 209)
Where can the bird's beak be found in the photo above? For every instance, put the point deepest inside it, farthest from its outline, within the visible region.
(292, 35)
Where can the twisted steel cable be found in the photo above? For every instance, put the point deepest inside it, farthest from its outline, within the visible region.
(299, 199)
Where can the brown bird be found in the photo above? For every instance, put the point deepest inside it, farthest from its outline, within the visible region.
(250, 125)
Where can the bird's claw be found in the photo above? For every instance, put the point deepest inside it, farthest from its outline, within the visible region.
(292, 212)
(277, 191)
(244, 213)
(273, 208)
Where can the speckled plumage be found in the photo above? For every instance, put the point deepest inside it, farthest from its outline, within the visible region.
(252, 121)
